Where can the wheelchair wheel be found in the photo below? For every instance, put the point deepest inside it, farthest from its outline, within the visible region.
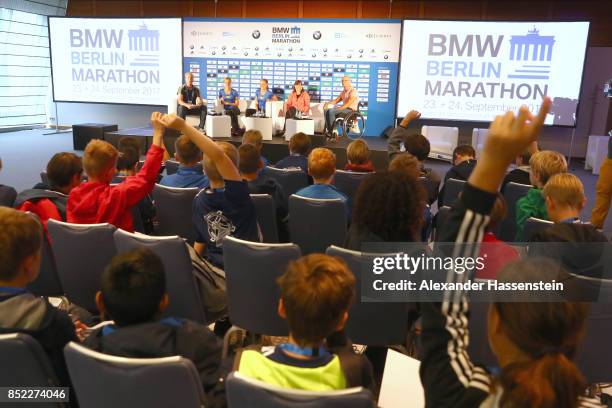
(353, 126)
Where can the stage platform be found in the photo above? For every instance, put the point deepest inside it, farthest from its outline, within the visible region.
(273, 150)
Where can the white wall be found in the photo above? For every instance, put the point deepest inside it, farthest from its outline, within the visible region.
(126, 116)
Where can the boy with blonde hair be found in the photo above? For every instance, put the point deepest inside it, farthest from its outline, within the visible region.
(358, 157)
(544, 164)
(316, 293)
(255, 138)
(322, 167)
(564, 197)
(96, 201)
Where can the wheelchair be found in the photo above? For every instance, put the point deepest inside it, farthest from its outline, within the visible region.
(352, 125)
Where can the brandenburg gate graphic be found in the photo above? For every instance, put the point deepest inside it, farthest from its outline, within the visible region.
(144, 39)
(541, 46)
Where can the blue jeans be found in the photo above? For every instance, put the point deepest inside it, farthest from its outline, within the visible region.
(331, 114)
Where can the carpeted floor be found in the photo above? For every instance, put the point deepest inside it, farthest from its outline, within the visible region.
(25, 154)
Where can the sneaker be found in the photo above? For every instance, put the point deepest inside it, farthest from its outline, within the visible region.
(335, 134)
(355, 128)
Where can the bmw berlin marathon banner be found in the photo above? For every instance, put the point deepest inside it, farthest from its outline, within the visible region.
(469, 70)
(317, 52)
(132, 61)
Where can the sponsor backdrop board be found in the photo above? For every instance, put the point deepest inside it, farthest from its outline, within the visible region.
(115, 60)
(473, 70)
(318, 52)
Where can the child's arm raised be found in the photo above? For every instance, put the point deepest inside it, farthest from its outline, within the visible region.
(226, 167)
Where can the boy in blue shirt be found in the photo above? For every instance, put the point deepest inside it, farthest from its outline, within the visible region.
(254, 137)
(190, 172)
(230, 100)
(322, 167)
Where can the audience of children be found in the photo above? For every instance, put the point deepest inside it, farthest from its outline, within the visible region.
(534, 342)
(299, 145)
(358, 157)
(316, 293)
(190, 172)
(96, 200)
(250, 166)
(544, 164)
(520, 173)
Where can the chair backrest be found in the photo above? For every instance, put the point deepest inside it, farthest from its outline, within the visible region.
(512, 193)
(291, 180)
(174, 208)
(81, 252)
(102, 380)
(251, 270)
(171, 166)
(533, 225)
(366, 324)
(266, 216)
(441, 219)
(478, 347)
(452, 188)
(243, 391)
(28, 362)
(181, 285)
(348, 182)
(442, 139)
(316, 224)
(48, 282)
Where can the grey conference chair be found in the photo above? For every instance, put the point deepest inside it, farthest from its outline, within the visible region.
(25, 364)
(181, 284)
(251, 270)
(478, 349)
(81, 251)
(173, 208)
(265, 209)
(243, 391)
(372, 323)
(452, 188)
(533, 225)
(292, 180)
(512, 193)
(171, 166)
(316, 224)
(348, 182)
(102, 380)
(47, 283)
(441, 219)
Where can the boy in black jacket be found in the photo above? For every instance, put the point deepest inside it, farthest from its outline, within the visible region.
(464, 161)
(134, 295)
(20, 311)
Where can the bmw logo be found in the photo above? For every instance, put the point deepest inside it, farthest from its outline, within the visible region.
(256, 34)
(214, 53)
(316, 35)
(224, 48)
(386, 57)
(256, 48)
(191, 47)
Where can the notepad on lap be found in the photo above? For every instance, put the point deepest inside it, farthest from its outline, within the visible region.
(401, 384)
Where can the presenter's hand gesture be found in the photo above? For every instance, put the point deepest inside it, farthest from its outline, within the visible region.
(173, 122)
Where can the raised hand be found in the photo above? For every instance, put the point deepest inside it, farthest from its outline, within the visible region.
(156, 122)
(172, 121)
(410, 116)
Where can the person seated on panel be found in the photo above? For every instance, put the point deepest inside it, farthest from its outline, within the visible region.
(262, 95)
(299, 145)
(190, 172)
(190, 101)
(230, 99)
(298, 101)
(316, 292)
(133, 293)
(358, 157)
(350, 102)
